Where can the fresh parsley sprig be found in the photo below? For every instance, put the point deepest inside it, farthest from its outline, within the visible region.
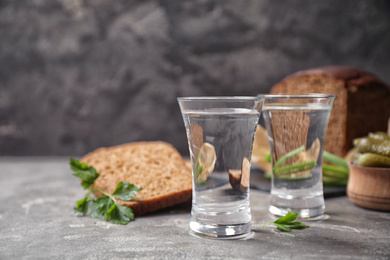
(86, 173)
(287, 223)
(105, 207)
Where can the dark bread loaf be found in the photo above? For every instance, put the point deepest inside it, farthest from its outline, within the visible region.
(157, 167)
(362, 102)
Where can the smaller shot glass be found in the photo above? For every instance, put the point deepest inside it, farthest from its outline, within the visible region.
(296, 126)
(220, 133)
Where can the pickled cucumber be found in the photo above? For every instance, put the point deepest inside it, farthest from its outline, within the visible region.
(379, 136)
(373, 160)
(373, 150)
(371, 145)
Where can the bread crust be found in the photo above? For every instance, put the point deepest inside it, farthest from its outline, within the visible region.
(344, 73)
(157, 167)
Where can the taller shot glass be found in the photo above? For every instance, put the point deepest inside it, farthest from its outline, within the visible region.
(220, 133)
(296, 126)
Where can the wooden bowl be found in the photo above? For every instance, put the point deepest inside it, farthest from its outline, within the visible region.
(369, 187)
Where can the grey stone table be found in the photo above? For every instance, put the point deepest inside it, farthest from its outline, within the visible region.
(37, 222)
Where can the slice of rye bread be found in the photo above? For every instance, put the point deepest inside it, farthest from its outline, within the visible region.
(157, 167)
(361, 105)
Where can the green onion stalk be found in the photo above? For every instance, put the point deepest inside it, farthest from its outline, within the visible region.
(335, 170)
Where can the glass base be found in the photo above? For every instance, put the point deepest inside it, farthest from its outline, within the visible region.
(309, 213)
(307, 206)
(222, 231)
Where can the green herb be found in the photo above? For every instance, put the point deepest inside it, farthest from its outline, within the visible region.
(335, 170)
(336, 173)
(294, 168)
(335, 182)
(288, 155)
(105, 207)
(87, 174)
(268, 175)
(287, 223)
(285, 172)
(267, 157)
(335, 160)
(198, 170)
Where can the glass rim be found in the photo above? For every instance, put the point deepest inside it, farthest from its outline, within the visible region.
(222, 98)
(298, 96)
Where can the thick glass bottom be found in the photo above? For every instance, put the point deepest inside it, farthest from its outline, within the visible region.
(222, 231)
(313, 213)
(307, 208)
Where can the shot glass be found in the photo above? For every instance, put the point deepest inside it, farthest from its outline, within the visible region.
(220, 133)
(296, 126)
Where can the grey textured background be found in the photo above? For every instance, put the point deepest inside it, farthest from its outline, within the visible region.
(76, 75)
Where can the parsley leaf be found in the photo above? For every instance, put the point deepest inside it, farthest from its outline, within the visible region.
(286, 219)
(101, 206)
(298, 225)
(105, 207)
(287, 223)
(83, 205)
(126, 191)
(120, 214)
(86, 173)
(282, 227)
